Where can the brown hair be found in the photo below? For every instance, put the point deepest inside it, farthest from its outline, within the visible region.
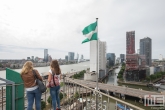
(28, 66)
(55, 66)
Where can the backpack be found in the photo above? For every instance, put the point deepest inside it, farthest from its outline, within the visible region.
(54, 81)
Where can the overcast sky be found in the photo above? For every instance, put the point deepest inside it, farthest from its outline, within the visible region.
(27, 28)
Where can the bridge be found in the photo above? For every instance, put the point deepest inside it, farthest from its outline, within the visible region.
(139, 93)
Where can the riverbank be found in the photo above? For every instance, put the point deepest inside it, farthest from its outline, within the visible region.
(138, 83)
(132, 83)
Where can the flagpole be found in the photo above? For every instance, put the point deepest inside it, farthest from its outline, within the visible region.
(97, 58)
(97, 65)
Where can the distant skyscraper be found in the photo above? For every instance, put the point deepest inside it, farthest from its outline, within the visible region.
(82, 57)
(49, 58)
(111, 57)
(32, 57)
(160, 57)
(70, 56)
(146, 49)
(46, 55)
(28, 58)
(130, 42)
(77, 56)
(102, 55)
(66, 57)
(122, 57)
(108, 56)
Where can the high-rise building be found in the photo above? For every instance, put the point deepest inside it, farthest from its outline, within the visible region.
(130, 42)
(49, 58)
(77, 56)
(82, 57)
(135, 67)
(70, 56)
(94, 53)
(111, 58)
(108, 55)
(122, 58)
(32, 57)
(146, 49)
(102, 55)
(36, 59)
(66, 57)
(28, 58)
(46, 55)
(138, 51)
(160, 57)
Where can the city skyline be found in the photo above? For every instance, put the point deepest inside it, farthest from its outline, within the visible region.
(27, 31)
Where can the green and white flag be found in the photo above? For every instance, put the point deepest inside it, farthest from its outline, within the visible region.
(90, 32)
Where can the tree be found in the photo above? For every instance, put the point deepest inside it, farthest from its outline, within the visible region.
(148, 78)
(1, 65)
(76, 95)
(43, 105)
(61, 95)
(49, 100)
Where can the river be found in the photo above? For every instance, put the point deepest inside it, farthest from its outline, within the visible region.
(64, 68)
(112, 79)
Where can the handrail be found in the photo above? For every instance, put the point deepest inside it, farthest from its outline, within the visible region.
(131, 105)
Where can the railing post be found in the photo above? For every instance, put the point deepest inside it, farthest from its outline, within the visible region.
(63, 77)
(73, 95)
(45, 92)
(2, 98)
(76, 96)
(82, 99)
(116, 105)
(13, 96)
(79, 94)
(86, 98)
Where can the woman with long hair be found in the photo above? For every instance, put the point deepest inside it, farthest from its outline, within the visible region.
(54, 91)
(32, 90)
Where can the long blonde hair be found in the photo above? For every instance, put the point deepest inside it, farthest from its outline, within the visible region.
(28, 66)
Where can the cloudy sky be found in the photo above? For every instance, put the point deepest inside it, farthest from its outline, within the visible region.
(27, 28)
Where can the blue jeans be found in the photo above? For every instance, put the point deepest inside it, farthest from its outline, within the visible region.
(54, 92)
(31, 95)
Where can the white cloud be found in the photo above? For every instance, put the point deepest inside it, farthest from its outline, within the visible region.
(58, 24)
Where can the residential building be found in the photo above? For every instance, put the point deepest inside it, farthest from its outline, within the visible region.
(102, 57)
(70, 56)
(130, 42)
(135, 67)
(146, 49)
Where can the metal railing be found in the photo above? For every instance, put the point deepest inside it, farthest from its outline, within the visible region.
(80, 97)
(76, 96)
(3, 96)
